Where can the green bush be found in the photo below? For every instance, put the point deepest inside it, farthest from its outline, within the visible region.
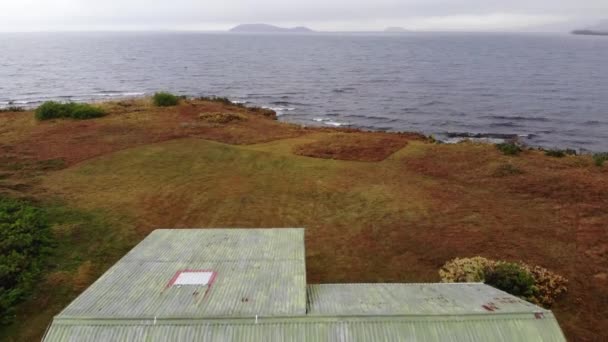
(546, 286)
(164, 99)
(85, 111)
(508, 149)
(55, 110)
(600, 158)
(24, 242)
(513, 279)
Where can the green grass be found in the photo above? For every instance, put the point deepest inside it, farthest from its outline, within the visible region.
(164, 99)
(600, 158)
(245, 186)
(55, 110)
(85, 244)
(509, 149)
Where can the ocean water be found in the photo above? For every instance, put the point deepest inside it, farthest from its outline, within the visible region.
(549, 90)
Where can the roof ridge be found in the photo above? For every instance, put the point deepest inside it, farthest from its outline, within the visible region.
(306, 317)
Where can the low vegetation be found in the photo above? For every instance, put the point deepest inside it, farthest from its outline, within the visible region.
(164, 99)
(533, 283)
(410, 207)
(600, 158)
(355, 146)
(222, 117)
(505, 170)
(56, 110)
(513, 279)
(465, 270)
(222, 100)
(227, 102)
(560, 153)
(509, 149)
(269, 113)
(12, 109)
(24, 243)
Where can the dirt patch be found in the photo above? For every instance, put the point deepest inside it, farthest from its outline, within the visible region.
(359, 146)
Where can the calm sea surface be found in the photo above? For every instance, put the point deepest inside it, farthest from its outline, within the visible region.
(551, 90)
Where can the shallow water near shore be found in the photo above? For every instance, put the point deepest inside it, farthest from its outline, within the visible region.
(547, 90)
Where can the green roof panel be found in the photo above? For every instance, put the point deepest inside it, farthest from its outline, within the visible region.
(250, 285)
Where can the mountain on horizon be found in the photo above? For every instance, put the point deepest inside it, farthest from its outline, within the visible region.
(600, 29)
(395, 29)
(265, 28)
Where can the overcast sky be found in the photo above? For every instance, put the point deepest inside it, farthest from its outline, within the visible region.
(333, 15)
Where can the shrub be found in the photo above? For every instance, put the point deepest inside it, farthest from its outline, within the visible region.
(24, 242)
(533, 283)
(56, 110)
(550, 285)
(164, 99)
(600, 158)
(508, 149)
(465, 270)
(53, 110)
(512, 278)
(555, 153)
(85, 111)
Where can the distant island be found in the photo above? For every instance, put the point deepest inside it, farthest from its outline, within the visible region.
(395, 29)
(265, 28)
(590, 32)
(601, 29)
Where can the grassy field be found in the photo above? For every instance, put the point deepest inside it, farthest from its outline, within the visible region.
(387, 208)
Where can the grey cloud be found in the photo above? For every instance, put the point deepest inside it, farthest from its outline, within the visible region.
(180, 13)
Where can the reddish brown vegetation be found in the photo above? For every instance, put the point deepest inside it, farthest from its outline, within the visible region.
(560, 223)
(358, 146)
(135, 123)
(397, 221)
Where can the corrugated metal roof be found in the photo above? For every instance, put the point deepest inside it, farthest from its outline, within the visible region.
(404, 328)
(259, 271)
(413, 299)
(259, 293)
